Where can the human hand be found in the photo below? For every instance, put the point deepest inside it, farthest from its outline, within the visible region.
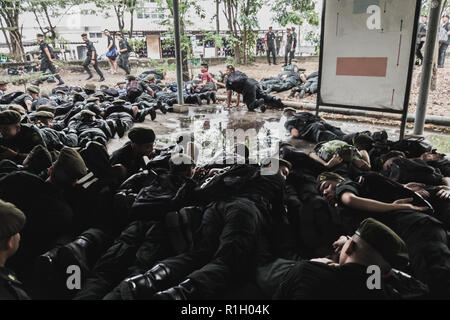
(444, 192)
(405, 204)
(334, 161)
(418, 188)
(325, 261)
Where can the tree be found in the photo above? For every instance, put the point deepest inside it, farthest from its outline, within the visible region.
(9, 22)
(295, 12)
(185, 7)
(242, 21)
(120, 8)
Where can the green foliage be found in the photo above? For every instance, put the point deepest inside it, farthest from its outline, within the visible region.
(295, 12)
(25, 78)
(136, 44)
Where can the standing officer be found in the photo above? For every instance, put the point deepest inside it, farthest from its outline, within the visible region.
(421, 35)
(47, 60)
(91, 58)
(124, 53)
(289, 53)
(278, 40)
(12, 221)
(270, 46)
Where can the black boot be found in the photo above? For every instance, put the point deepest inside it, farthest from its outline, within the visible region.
(151, 111)
(75, 253)
(112, 127)
(184, 291)
(120, 129)
(144, 286)
(206, 96)
(198, 100)
(302, 94)
(90, 76)
(263, 108)
(46, 264)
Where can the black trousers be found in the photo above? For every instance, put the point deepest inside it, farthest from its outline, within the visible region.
(442, 51)
(46, 64)
(271, 50)
(224, 251)
(123, 62)
(86, 64)
(288, 56)
(419, 51)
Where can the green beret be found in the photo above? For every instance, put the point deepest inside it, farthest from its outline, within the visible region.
(44, 114)
(90, 86)
(47, 108)
(385, 241)
(71, 163)
(93, 99)
(119, 101)
(87, 113)
(141, 135)
(329, 176)
(99, 94)
(17, 108)
(9, 117)
(12, 220)
(39, 159)
(33, 89)
(60, 92)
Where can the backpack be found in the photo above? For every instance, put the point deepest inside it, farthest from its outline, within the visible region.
(133, 88)
(228, 182)
(412, 147)
(10, 97)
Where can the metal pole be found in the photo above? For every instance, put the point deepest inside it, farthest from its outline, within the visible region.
(430, 45)
(178, 57)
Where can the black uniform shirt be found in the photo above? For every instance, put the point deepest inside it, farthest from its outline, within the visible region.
(270, 37)
(126, 157)
(111, 40)
(236, 81)
(42, 47)
(26, 139)
(90, 48)
(10, 287)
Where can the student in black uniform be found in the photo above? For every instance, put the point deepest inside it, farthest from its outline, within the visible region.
(124, 53)
(12, 221)
(270, 46)
(47, 62)
(91, 58)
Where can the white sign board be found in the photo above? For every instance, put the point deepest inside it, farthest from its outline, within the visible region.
(366, 53)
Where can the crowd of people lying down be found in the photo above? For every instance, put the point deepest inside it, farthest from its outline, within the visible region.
(146, 223)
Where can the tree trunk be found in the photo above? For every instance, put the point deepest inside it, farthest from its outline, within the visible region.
(184, 55)
(131, 23)
(217, 24)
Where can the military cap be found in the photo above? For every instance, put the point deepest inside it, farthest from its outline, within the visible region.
(39, 158)
(9, 117)
(87, 113)
(100, 94)
(328, 176)
(149, 78)
(33, 89)
(119, 101)
(103, 87)
(44, 114)
(385, 241)
(131, 77)
(121, 82)
(71, 163)
(60, 92)
(3, 82)
(230, 66)
(47, 108)
(267, 161)
(12, 220)
(17, 108)
(90, 86)
(141, 135)
(93, 99)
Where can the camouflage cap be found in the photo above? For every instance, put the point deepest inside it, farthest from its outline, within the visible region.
(119, 101)
(9, 117)
(17, 108)
(47, 108)
(141, 135)
(385, 241)
(12, 220)
(71, 163)
(33, 89)
(44, 114)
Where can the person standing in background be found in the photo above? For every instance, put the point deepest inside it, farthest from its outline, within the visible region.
(112, 51)
(289, 50)
(278, 40)
(91, 58)
(270, 46)
(445, 41)
(421, 34)
(124, 53)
